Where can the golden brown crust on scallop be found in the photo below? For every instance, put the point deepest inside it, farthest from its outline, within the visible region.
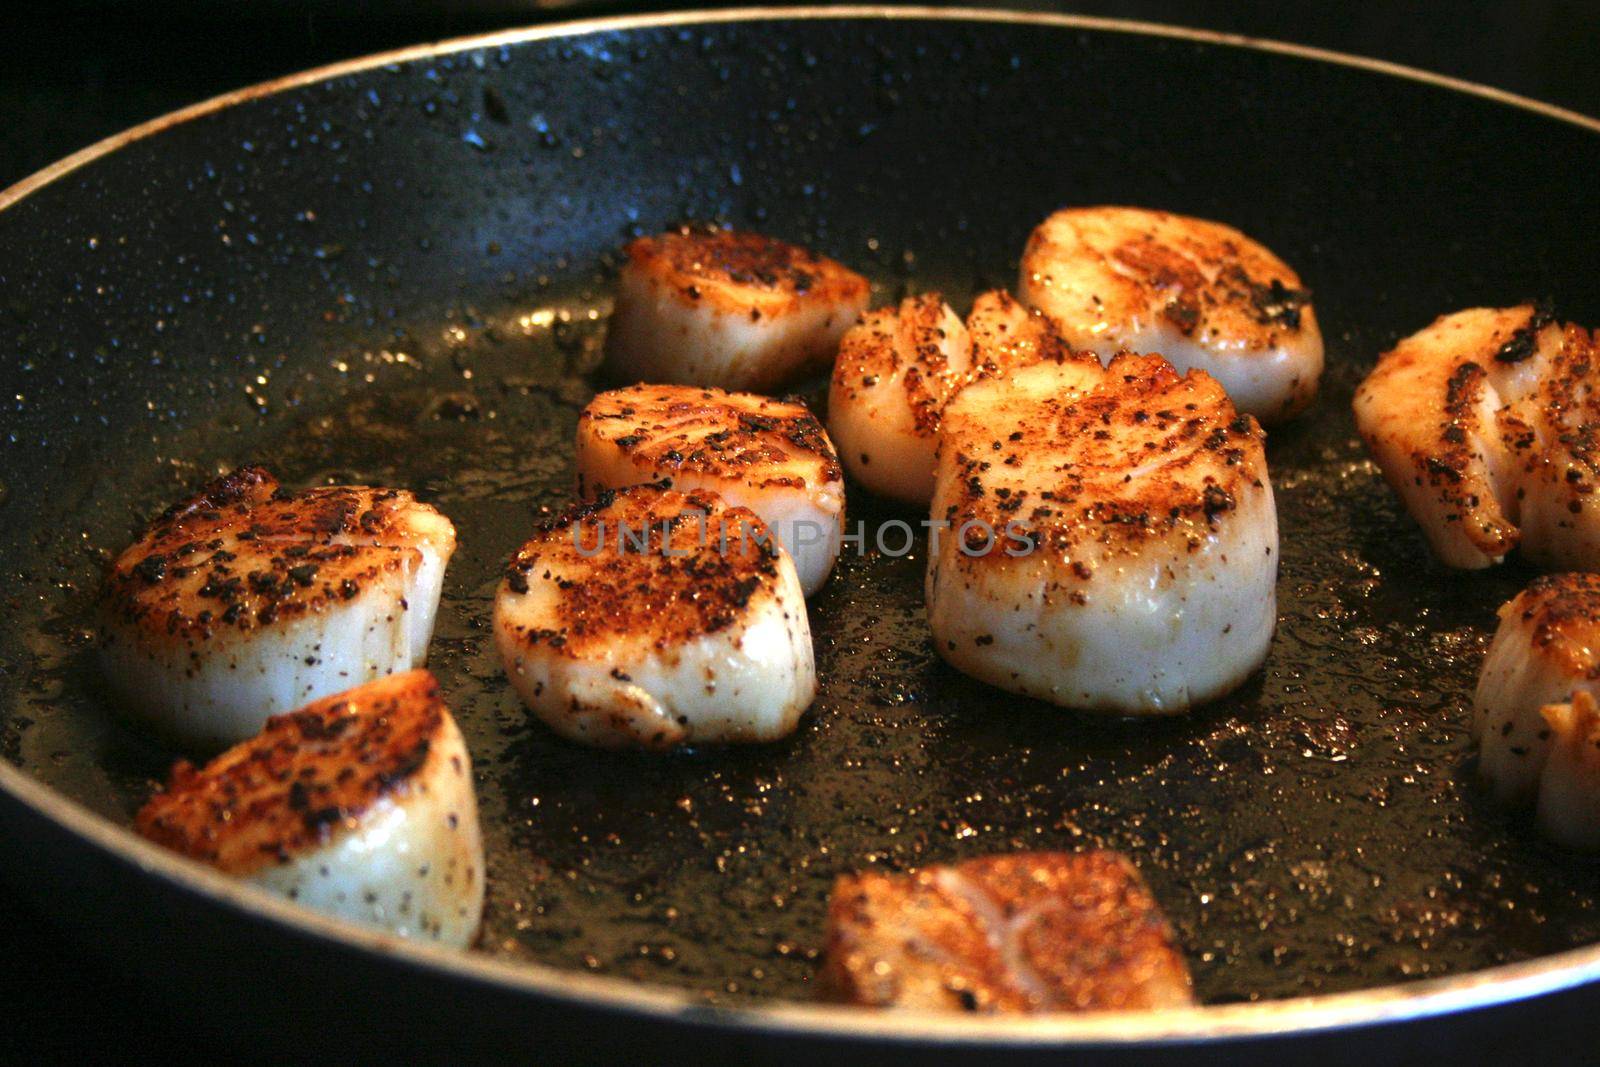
(1563, 612)
(1559, 433)
(1452, 465)
(692, 429)
(244, 553)
(1032, 932)
(1447, 457)
(206, 595)
(929, 380)
(1253, 297)
(720, 558)
(1006, 335)
(869, 353)
(1002, 336)
(307, 776)
(1057, 466)
(770, 277)
(1431, 410)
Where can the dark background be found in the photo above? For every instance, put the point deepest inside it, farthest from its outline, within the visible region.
(72, 73)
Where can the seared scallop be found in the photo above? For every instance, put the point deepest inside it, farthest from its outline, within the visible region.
(1202, 294)
(1034, 932)
(730, 309)
(360, 805)
(1569, 789)
(899, 367)
(247, 600)
(1534, 715)
(894, 373)
(1106, 539)
(1546, 651)
(771, 456)
(653, 618)
(1485, 423)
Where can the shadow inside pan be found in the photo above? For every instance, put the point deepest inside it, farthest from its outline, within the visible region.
(400, 277)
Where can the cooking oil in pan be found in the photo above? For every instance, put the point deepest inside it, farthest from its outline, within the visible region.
(1316, 831)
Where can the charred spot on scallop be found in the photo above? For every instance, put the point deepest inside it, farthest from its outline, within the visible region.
(727, 308)
(1026, 933)
(360, 805)
(248, 599)
(1108, 533)
(1203, 294)
(771, 456)
(653, 618)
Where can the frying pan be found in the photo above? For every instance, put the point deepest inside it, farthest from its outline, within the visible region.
(396, 270)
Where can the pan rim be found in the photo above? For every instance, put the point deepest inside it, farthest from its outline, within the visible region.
(1306, 1015)
(863, 12)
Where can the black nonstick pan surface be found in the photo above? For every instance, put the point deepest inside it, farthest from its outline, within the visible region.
(398, 273)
